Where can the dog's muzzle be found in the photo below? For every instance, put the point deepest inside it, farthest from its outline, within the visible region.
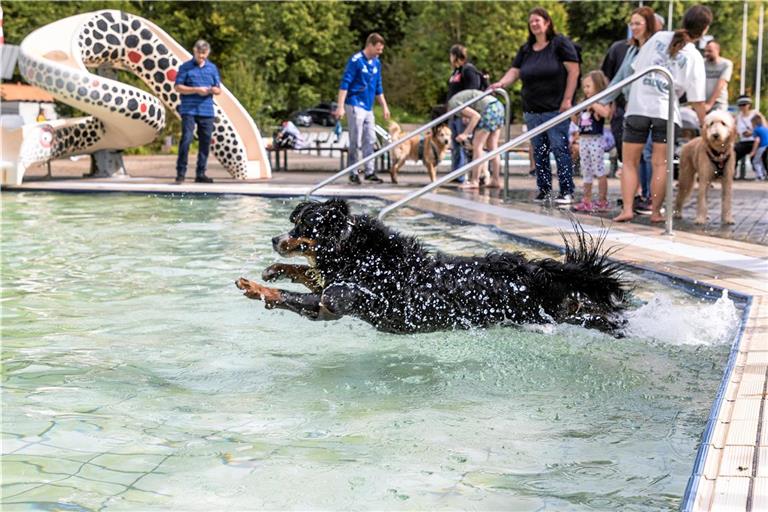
(287, 246)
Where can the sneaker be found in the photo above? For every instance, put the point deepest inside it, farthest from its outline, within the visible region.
(642, 207)
(179, 180)
(602, 206)
(584, 206)
(564, 199)
(543, 197)
(373, 178)
(354, 178)
(203, 179)
(532, 172)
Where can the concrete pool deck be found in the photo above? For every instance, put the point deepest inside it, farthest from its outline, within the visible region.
(731, 471)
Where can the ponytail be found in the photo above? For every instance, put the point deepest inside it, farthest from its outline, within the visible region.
(696, 20)
(679, 40)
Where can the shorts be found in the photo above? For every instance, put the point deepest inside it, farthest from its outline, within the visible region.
(493, 117)
(636, 129)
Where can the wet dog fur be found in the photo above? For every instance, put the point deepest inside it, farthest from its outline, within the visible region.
(440, 136)
(357, 266)
(718, 137)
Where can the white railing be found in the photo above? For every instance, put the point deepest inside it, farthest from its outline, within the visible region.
(525, 137)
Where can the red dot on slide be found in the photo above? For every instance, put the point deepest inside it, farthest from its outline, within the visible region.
(134, 56)
(143, 107)
(171, 74)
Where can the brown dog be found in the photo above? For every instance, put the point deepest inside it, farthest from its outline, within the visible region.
(430, 150)
(710, 157)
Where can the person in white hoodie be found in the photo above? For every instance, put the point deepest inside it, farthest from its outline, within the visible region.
(646, 110)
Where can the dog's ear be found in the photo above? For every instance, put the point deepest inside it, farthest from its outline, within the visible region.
(297, 211)
(338, 206)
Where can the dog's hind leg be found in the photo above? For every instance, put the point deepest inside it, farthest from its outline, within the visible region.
(395, 168)
(301, 274)
(305, 304)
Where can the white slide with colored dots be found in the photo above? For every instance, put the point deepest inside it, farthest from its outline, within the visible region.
(57, 58)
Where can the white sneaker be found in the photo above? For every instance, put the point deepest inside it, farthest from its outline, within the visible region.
(564, 199)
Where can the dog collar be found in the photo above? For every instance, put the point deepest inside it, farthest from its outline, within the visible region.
(718, 160)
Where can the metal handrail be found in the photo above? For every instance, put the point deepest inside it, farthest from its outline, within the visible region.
(406, 137)
(556, 120)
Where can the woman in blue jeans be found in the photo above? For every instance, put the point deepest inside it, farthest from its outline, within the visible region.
(548, 65)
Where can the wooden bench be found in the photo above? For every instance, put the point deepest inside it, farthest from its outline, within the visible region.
(322, 146)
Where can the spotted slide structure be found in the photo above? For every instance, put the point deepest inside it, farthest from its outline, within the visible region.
(56, 58)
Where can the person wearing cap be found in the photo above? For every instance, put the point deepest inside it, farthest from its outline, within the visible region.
(744, 128)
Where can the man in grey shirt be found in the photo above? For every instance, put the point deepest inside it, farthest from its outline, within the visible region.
(718, 72)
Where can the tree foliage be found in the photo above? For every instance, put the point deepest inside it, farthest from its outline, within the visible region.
(281, 56)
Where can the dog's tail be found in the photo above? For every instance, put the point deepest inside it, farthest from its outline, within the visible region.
(591, 271)
(587, 288)
(587, 281)
(393, 128)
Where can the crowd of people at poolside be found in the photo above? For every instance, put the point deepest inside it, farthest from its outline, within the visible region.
(548, 65)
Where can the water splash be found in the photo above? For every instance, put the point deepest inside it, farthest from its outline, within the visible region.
(664, 320)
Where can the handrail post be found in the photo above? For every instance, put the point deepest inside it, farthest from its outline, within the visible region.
(670, 154)
(507, 120)
(557, 120)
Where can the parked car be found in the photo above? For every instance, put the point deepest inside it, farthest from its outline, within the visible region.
(321, 114)
(301, 119)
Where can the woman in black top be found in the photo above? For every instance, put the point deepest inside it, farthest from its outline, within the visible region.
(548, 65)
(463, 77)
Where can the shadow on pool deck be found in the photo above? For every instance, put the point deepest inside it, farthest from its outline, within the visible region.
(750, 198)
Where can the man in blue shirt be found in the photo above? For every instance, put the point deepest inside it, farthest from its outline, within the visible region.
(196, 82)
(360, 84)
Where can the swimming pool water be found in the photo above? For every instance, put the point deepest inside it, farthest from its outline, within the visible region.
(136, 377)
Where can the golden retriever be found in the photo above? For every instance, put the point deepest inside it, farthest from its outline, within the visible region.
(710, 157)
(430, 150)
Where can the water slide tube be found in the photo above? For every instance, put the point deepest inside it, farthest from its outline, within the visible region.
(56, 58)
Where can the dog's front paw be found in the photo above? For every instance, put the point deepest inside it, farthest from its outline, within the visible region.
(729, 220)
(250, 289)
(273, 272)
(700, 220)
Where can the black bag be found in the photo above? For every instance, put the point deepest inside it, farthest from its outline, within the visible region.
(470, 68)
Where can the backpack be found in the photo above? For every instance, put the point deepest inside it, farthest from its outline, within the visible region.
(484, 82)
(483, 78)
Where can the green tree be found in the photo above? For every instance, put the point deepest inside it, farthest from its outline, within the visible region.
(492, 32)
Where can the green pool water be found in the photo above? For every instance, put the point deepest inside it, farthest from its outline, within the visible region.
(136, 377)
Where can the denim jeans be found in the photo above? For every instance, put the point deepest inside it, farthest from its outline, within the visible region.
(555, 140)
(204, 131)
(458, 153)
